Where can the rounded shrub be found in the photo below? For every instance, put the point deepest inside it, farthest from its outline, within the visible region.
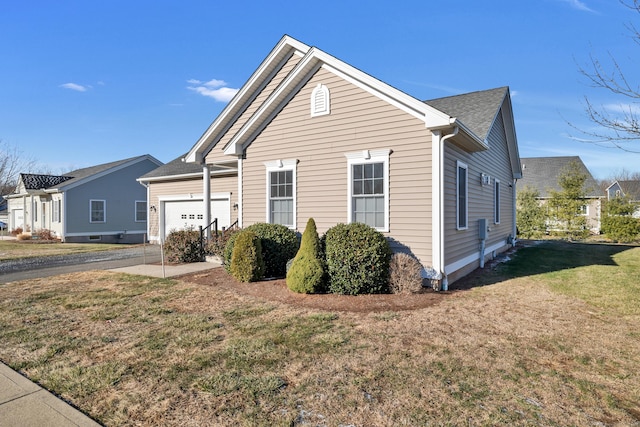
(357, 259)
(404, 274)
(279, 245)
(247, 264)
(306, 274)
(182, 246)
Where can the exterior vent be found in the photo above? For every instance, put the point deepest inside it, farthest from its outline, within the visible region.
(320, 101)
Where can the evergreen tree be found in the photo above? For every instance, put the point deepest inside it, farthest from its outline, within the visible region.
(566, 206)
(530, 215)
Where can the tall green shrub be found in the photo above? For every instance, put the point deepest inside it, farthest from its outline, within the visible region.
(357, 259)
(530, 215)
(306, 274)
(247, 264)
(279, 245)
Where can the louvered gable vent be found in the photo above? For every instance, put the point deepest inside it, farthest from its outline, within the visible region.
(320, 101)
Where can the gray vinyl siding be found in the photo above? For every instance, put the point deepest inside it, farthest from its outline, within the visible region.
(494, 162)
(184, 187)
(120, 190)
(358, 121)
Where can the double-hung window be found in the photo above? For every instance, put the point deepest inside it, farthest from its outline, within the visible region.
(56, 211)
(368, 174)
(281, 192)
(462, 195)
(496, 202)
(141, 211)
(97, 211)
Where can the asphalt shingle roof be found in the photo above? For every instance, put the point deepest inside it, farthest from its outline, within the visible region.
(173, 168)
(541, 174)
(476, 110)
(41, 181)
(37, 182)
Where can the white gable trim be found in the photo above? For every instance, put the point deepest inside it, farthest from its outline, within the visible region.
(299, 76)
(281, 53)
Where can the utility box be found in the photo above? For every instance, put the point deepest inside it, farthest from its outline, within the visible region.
(482, 228)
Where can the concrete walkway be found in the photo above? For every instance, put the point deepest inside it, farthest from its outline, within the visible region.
(25, 404)
(157, 270)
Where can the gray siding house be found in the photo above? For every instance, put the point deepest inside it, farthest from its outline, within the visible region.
(542, 173)
(102, 203)
(310, 136)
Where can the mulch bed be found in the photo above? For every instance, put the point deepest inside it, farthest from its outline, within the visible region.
(277, 291)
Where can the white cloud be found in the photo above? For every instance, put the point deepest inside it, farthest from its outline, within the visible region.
(216, 89)
(74, 86)
(578, 5)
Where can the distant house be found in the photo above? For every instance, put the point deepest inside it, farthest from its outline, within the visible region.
(4, 210)
(629, 189)
(310, 136)
(102, 203)
(542, 173)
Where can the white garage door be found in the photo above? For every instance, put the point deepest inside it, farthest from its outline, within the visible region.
(180, 215)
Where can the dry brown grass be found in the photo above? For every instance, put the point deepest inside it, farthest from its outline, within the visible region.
(136, 351)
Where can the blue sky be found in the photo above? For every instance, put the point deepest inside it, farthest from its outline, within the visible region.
(87, 82)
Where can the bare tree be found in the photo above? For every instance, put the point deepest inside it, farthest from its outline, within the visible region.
(621, 125)
(12, 163)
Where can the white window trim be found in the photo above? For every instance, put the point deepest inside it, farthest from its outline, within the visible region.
(135, 212)
(279, 166)
(496, 201)
(364, 157)
(586, 210)
(55, 210)
(461, 165)
(327, 101)
(104, 204)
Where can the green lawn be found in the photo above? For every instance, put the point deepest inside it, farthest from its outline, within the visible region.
(550, 338)
(13, 249)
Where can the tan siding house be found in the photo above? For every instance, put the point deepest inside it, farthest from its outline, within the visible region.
(309, 136)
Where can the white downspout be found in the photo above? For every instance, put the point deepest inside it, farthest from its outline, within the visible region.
(438, 204)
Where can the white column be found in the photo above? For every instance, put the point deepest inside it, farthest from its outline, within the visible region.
(206, 196)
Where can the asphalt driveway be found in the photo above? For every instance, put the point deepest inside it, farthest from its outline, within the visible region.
(36, 267)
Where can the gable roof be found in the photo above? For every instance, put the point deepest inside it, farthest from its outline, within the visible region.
(541, 174)
(630, 188)
(56, 183)
(81, 176)
(477, 110)
(473, 114)
(311, 59)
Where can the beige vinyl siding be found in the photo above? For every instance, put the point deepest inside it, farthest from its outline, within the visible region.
(358, 121)
(495, 163)
(184, 187)
(216, 154)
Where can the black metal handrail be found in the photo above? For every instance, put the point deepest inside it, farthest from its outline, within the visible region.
(202, 239)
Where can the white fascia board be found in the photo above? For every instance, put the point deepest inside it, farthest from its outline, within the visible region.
(271, 65)
(313, 60)
(286, 90)
(432, 117)
(187, 175)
